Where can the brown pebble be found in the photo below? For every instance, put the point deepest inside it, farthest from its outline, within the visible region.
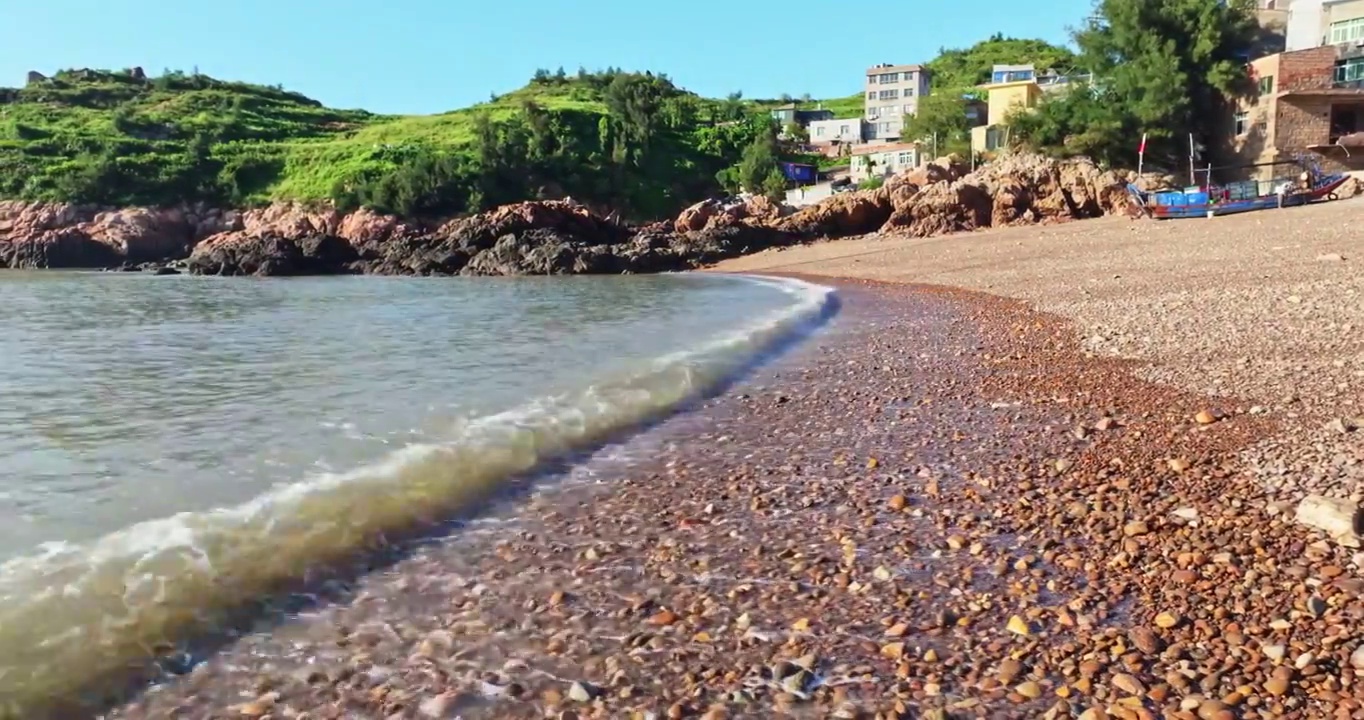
(1128, 684)
(1212, 710)
(1146, 640)
(1008, 670)
(663, 617)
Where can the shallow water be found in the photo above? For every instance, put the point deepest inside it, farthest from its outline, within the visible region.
(170, 446)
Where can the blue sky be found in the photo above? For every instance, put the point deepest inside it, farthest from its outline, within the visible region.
(425, 56)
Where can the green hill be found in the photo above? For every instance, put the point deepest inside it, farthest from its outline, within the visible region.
(632, 141)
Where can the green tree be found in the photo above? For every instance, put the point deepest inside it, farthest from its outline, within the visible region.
(1163, 67)
(758, 171)
(732, 108)
(941, 119)
(1084, 121)
(774, 185)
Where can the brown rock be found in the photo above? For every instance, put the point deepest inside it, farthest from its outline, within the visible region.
(1146, 640)
(663, 618)
(1128, 684)
(844, 214)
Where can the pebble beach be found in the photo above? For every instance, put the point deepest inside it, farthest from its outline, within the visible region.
(1035, 472)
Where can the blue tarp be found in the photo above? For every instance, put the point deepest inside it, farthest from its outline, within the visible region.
(799, 173)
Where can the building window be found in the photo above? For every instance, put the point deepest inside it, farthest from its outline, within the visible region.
(885, 127)
(843, 130)
(871, 95)
(888, 95)
(903, 159)
(909, 92)
(994, 138)
(1347, 31)
(1349, 71)
(1241, 123)
(890, 78)
(819, 131)
(1266, 84)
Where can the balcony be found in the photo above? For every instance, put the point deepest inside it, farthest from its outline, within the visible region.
(1348, 84)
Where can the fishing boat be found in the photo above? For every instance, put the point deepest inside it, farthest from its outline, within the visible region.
(1305, 184)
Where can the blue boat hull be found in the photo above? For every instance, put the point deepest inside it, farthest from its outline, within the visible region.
(1175, 206)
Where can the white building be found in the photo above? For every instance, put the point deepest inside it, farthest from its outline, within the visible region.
(883, 160)
(1313, 23)
(845, 130)
(892, 92)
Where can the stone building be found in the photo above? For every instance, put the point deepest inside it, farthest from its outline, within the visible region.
(1304, 105)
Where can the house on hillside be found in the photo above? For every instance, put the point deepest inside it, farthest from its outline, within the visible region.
(883, 160)
(1014, 87)
(1308, 102)
(892, 92)
(792, 114)
(831, 137)
(1011, 87)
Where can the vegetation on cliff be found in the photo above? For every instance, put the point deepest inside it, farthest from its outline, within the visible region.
(632, 141)
(960, 71)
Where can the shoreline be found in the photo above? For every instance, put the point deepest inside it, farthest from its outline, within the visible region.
(857, 530)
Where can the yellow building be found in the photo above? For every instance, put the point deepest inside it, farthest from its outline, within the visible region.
(1003, 99)
(1014, 87)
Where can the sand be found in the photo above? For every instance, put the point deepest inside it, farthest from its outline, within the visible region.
(947, 504)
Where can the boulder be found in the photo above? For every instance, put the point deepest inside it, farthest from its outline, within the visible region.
(237, 253)
(566, 218)
(542, 251)
(945, 169)
(698, 216)
(942, 208)
(841, 215)
(756, 209)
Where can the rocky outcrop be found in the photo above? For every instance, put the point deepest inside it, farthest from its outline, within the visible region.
(1014, 190)
(55, 235)
(547, 237)
(709, 213)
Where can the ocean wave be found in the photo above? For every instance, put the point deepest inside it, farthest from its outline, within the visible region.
(74, 618)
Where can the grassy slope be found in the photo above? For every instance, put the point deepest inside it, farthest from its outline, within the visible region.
(278, 145)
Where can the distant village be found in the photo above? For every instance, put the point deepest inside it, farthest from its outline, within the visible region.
(1309, 73)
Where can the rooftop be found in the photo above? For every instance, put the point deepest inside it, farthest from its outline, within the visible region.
(887, 147)
(887, 67)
